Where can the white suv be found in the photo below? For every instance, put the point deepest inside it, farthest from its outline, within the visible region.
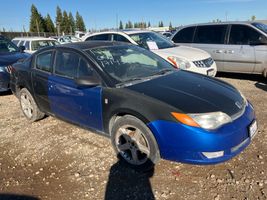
(235, 46)
(182, 57)
(32, 44)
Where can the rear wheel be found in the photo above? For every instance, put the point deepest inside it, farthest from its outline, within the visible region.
(134, 143)
(29, 107)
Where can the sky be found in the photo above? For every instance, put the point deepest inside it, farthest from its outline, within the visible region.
(99, 14)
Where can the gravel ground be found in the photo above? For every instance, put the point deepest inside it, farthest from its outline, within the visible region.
(52, 159)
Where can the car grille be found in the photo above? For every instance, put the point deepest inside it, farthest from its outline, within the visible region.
(204, 63)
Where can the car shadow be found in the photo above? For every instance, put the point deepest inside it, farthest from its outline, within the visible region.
(261, 82)
(16, 197)
(126, 183)
(6, 93)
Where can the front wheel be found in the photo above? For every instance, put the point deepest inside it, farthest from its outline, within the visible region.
(29, 107)
(134, 143)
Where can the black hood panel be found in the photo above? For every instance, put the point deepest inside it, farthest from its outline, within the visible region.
(192, 93)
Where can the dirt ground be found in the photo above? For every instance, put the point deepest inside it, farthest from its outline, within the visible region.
(52, 159)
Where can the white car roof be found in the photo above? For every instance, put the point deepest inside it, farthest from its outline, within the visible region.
(127, 32)
(33, 38)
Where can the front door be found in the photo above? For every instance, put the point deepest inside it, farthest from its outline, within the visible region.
(239, 55)
(69, 101)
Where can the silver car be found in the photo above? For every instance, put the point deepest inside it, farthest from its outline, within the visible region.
(235, 46)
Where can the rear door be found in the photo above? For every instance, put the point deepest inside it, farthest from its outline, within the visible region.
(42, 68)
(69, 101)
(239, 54)
(211, 38)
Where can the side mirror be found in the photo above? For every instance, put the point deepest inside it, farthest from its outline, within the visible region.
(87, 81)
(21, 49)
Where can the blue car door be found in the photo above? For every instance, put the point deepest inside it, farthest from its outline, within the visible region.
(69, 101)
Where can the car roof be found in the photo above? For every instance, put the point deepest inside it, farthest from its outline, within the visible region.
(32, 38)
(125, 31)
(222, 23)
(91, 44)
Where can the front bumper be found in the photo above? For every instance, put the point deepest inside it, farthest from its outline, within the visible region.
(182, 143)
(4, 81)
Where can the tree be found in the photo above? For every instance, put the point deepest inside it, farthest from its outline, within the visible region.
(161, 24)
(121, 25)
(65, 25)
(80, 26)
(253, 18)
(49, 25)
(126, 26)
(71, 23)
(59, 19)
(170, 26)
(148, 25)
(130, 24)
(36, 21)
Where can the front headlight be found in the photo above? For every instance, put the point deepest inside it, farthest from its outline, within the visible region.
(212, 120)
(2, 69)
(179, 63)
(209, 121)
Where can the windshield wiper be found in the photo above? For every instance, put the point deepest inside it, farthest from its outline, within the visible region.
(163, 71)
(131, 80)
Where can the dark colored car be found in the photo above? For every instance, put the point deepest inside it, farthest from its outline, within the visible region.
(9, 54)
(149, 109)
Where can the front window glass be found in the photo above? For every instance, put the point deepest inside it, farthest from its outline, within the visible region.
(151, 40)
(7, 46)
(42, 43)
(243, 35)
(262, 27)
(126, 63)
(72, 65)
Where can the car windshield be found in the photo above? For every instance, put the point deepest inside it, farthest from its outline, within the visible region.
(262, 27)
(7, 46)
(38, 44)
(151, 40)
(130, 63)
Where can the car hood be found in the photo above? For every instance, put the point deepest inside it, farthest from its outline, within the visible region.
(10, 58)
(192, 93)
(188, 53)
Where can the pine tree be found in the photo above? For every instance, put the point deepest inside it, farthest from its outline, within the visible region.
(71, 23)
(148, 25)
(65, 25)
(161, 24)
(121, 25)
(80, 26)
(130, 24)
(170, 26)
(126, 26)
(59, 19)
(49, 25)
(36, 21)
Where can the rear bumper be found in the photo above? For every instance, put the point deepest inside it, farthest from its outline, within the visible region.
(182, 143)
(4, 81)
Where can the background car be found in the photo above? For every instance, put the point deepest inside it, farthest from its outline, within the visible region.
(131, 95)
(9, 54)
(235, 46)
(32, 44)
(72, 38)
(182, 57)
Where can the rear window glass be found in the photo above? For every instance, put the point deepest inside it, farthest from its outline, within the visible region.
(185, 35)
(43, 61)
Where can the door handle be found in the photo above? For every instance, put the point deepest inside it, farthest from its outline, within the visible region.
(229, 51)
(218, 51)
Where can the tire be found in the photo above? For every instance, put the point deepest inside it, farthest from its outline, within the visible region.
(134, 143)
(29, 107)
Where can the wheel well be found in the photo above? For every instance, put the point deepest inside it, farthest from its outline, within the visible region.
(121, 114)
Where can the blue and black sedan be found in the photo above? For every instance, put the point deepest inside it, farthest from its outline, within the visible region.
(9, 54)
(149, 109)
